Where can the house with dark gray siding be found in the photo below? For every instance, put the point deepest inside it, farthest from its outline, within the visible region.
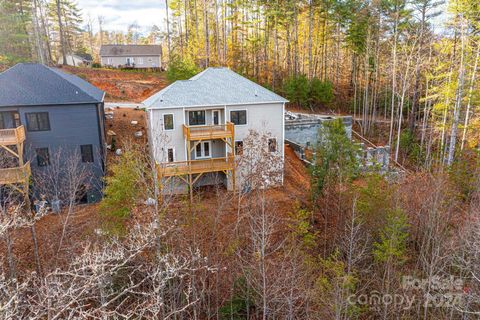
(55, 114)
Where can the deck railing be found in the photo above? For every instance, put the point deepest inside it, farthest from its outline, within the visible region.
(209, 132)
(12, 136)
(196, 166)
(15, 175)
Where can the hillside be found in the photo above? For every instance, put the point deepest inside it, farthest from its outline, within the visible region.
(119, 85)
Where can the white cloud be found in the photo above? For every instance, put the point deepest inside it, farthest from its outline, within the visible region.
(119, 14)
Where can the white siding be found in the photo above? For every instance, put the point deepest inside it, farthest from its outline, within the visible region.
(263, 118)
(148, 61)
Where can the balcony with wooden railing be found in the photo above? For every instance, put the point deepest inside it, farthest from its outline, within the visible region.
(15, 175)
(181, 168)
(12, 136)
(220, 131)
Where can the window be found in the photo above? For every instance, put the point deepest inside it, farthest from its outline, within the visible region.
(109, 61)
(170, 155)
(196, 118)
(38, 121)
(238, 148)
(140, 60)
(9, 119)
(43, 157)
(238, 117)
(272, 145)
(87, 152)
(216, 117)
(202, 150)
(168, 121)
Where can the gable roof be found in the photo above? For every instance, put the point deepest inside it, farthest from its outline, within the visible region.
(84, 56)
(120, 50)
(30, 84)
(212, 87)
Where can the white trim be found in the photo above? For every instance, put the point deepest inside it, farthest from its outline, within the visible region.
(174, 155)
(276, 144)
(219, 117)
(197, 125)
(246, 117)
(216, 105)
(163, 121)
(202, 150)
(283, 132)
(225, 121)
(235, 148)
(186, 149)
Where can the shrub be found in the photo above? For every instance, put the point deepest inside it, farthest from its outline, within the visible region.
(121, 192)
(308, 93)
(320, 92)
(337, 157)
(296, 90)
(181, 69)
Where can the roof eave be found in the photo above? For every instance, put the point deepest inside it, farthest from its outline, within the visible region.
(48, 104)
(216, 105)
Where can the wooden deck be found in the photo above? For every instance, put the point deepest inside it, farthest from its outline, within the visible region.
(15, 175)
(181, 168)
(12, 136)
(222, 131)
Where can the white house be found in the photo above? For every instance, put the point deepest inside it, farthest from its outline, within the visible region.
(197, 127)
(131, 56)
(77, 60)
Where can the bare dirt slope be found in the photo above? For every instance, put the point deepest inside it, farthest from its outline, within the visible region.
(82, 224)
(121, 85)
(122, 126)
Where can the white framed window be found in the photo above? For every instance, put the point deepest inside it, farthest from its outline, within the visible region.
(238, 147)
(170, 154)
(168, 122)
(272, 144)
(140, 60)
(238, 117)
(203, 150)
(215, 117)
(109, 61)
(196, 118)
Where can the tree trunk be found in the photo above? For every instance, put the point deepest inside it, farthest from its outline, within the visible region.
(62, 36)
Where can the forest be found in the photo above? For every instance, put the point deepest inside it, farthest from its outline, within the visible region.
(349, 244)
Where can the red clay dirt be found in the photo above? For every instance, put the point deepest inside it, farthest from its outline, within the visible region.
(83, 223)
(119, 85)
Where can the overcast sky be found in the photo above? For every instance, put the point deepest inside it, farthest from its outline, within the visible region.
(119, 14)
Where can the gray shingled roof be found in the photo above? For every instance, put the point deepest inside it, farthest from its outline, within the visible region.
(212, 87)
(122, 50)
(28, 84)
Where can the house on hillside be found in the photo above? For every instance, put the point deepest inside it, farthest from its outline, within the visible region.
(77, 60)
(131, 56)
(197, 127)
(51, 122)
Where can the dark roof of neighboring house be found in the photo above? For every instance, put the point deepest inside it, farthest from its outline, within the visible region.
(84, 56)
(30, 84)
(120, 50)
(212, 87)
